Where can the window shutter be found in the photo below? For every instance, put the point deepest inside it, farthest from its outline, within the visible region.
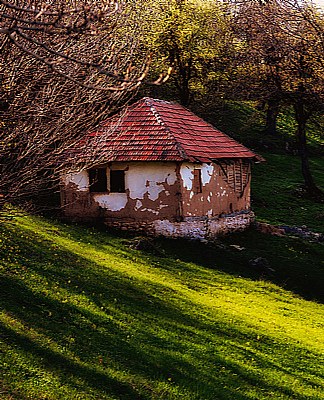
(197, 184)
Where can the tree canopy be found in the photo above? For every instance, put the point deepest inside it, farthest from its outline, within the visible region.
(281, 60)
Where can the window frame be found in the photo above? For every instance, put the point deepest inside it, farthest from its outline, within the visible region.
(117, 183)
(101, 185)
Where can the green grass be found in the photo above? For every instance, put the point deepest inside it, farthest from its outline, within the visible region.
(246, 123)
(277, 197)
(84, 316)
(275, 192)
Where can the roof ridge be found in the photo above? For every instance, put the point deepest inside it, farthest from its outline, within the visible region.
(159, 130)
(150, 102)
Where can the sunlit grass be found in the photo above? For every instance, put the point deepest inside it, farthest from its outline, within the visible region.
(84, 316)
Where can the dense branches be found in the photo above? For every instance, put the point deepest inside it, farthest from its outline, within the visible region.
(63, 67)
(67, 34)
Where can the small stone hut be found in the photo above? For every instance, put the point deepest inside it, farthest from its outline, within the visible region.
(159, 168)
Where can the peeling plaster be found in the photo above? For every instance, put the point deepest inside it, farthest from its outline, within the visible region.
(138, 205)
(112, 201)
(206, 173)
(80, 179)
(150, 210)
(186, 175)
(145, 204)
(159, 174)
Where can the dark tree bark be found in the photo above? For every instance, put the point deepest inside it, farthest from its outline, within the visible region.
(182, 82)
(272, 115)
(302, 117)
(283, 59)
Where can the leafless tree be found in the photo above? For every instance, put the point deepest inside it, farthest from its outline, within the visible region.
(280, 59)
(64, 65)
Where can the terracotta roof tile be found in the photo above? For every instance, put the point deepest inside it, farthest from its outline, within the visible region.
(157, 130)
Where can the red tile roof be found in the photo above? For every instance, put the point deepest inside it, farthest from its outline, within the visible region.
(158, 130)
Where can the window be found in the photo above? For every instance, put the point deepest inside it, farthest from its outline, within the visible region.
(197, 186)
(117, 181)
(98, 180)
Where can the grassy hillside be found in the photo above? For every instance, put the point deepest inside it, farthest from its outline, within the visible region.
(85, 316)
(277, 197)
(245, 122)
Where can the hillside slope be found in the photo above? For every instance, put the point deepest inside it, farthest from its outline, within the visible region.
(86, 316)
(277, 195)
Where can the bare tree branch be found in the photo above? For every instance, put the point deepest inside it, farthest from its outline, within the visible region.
(63, 68)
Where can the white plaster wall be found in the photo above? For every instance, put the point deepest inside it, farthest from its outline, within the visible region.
(186, 172)
(112, 201)
(206, 173)
(148, 178)
(141, 179)
(80, 179)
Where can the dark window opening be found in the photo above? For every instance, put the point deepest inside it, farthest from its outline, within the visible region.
(98, 180)
(117, 181)
(197, 185)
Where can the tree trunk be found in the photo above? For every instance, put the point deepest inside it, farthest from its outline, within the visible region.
(185, 95)
(272, 114)
(183, 83)
(301, 118)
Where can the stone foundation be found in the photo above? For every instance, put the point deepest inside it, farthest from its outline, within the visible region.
(200, 228)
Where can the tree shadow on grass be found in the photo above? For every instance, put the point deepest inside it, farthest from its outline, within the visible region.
(67, 369)
(296, 263)
(142, 351)
(140, 328)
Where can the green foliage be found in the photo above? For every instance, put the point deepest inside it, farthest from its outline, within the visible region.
(192, 37)
(187, 28)
(241, 120)
(84, 316)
